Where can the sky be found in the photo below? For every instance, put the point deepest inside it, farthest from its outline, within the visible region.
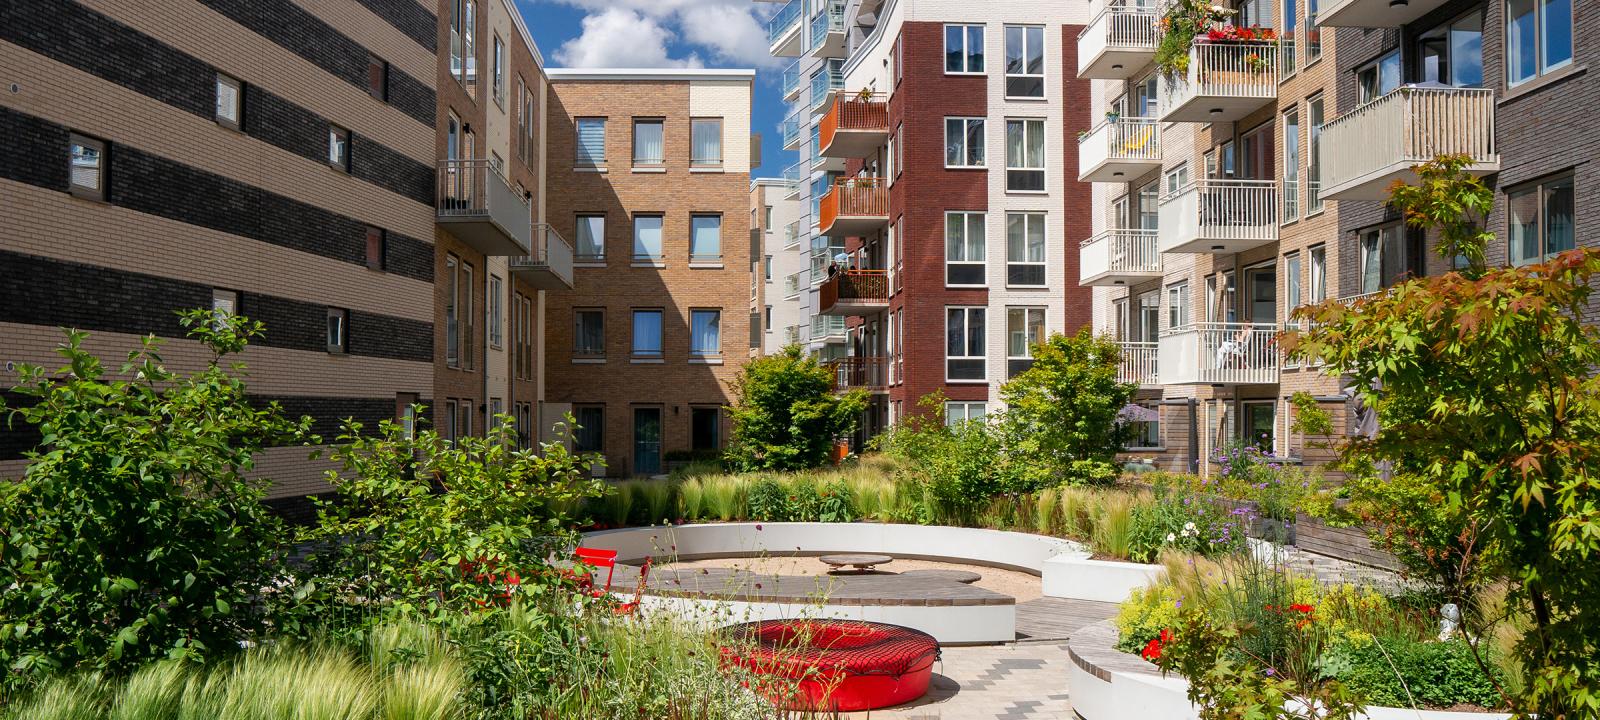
(670, 33)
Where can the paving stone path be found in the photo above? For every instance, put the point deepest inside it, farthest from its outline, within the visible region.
(1019, 681)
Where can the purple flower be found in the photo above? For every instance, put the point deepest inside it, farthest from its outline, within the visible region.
(1271, 672)
(1179, 603)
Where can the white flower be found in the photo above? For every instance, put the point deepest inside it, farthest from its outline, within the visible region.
(1171, 537)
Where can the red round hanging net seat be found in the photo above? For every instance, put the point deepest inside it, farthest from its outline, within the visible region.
(833, 665)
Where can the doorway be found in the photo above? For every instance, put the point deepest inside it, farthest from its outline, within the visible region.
(646, 440)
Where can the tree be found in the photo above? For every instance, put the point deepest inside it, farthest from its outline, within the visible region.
(137, 531)
(1452, 203)
(1062, 414)
(787, 415)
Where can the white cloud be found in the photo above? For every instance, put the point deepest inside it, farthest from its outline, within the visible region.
(619, 37)
(637, 33)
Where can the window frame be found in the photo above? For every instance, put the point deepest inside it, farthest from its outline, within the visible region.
(1013, 362)
(1029, 217)
(596, 430)
(1540, 68)
(588, 353)
(1375, 66)
(1044, 154)
(577, 236)
(966, 245)
(694, 314)
(1289, 168)
(966, 341)
(660, 258)
(660, 123)
(377, 78)
(1317, 273)
(661, 335)
(496, 327)
(377, 242)
(452, 311)
(497, 71)
(1540, 188)
(338, 318)
(237, 85)
(1043, 75)
(966, 150)
(102, 166)
(1178, 311)
(580, 159)
(966, 411)
(966, 50)
(339, 141)
(722, 137)
(704, 259)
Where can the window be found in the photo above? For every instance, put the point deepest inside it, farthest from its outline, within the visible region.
(463, 44)
(767, 268)
(224, 304)
(377, 248)
(705, 238)
(589, 333)
(499, 71)
(450, 420)
(339, 148)
(897, 158)
(1538, 38)
(1319, 274)
(964, 252)
(1024, 61)
(1178, 305)
(464, 418)
(1222, 307)
(647, 142)
(1452, 53)
(591, 235)
(452, 311)
(1378, 78)
(963, 49)
(377, 78)
(1313, 32)
(647, 333)
(1291, 276)
(591, 142)
(338, 330)
(87, 173)
(1291, 165)
(495, 306)
(963, 142)
(964, 343)
(468, 319)
(1025, 155)
(1541, 220)
(767, 323)
(1314, 111)
(1260, 424)
(1024, 329)
(647, 238)
(705, 428)
(956, 413)
(230, 95)
(590, 433)
(1145, 417)
(1025, 243)
(705, 148)
(1288, 12)
(705, 332)
(896, 54)
(525, 145)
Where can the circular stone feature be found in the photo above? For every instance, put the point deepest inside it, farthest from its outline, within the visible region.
(961, 576)
(857, 562)
(834, 665)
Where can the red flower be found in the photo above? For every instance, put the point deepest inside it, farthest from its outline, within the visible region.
(1166, 635)
(1301, 608)
(1152, 650)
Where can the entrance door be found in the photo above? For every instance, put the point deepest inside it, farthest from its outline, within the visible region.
(1256, 154)
(1259, 424)
(646, 441)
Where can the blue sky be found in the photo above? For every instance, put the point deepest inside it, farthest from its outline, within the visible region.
(669, 33)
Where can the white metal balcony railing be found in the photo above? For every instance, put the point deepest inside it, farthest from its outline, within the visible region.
(1118, 41)
(474, 200)
(549, 267)
(1219, 354)
(1138, 363)
(1116, 150)
(787, 19)
(1119, 257)
(1224, 82)
(1219, 216)
(1368, 148)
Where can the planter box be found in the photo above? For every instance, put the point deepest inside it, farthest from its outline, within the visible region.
(1350, 544)
(1080, 578)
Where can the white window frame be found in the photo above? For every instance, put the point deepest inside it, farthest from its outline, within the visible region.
(1044, 85)
(1290, 167)
(965, 151)
(1027, 347)
(229, 85)
(1028, 220)
(966, 50)
(1178, 305)
(982, 260)
(496, 339)
(1044, 155)
(966, 408)
(966, 338)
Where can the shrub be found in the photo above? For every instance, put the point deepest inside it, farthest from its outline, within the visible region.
(1062, 414)
(1409, 673)
(837, 503)
(955, 468)
(657, 496)
(786, 415)
(1183, 520)
(767, 500)
(691, 499)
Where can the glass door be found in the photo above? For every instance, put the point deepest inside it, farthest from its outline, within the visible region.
(646, 441)
(1263, 284)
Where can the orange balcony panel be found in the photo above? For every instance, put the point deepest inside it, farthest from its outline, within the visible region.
(854, 126)
(854, 207)
(854, 292)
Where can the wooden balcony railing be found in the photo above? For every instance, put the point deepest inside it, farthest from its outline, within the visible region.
(867, 373)
(865, 198)
(859, 112)
(857, 287)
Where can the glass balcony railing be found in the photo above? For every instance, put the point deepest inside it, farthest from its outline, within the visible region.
(784, 21)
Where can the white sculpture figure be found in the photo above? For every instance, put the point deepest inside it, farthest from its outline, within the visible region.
(1449, 620)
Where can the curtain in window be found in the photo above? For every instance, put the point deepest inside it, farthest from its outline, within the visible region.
(706, 332)
(1558, 211)
(706, 142)
(647, 237)
(1523, 208)
(591, 236)
(591, 334)
(705, 237)
(647, 332)
(592, 142)
(647, 144)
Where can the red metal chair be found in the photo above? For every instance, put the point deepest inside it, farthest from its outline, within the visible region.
(632, 606)
(597, 558)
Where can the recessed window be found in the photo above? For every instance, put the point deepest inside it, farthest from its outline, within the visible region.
(1291, 165)
(499, 70)
(705, 332)
(87, 171)
(1178, 304)
(964, 343)
(450, 420)
(494, 302)
(964, 253)
(1024, 329)
(705, 238)
(1538, 38)
(339, 148)
(452, 311)
(468, 318)
(648, 142)
(1319, 273)
(338, 330)
(1541, 220)
(591, 142)
(647, 239)
(377, 78)
(1291, 275)
(590, 434)
(1177, 179)
(1315, 109)
(647, 334)
(1378, 78)
(230, 101)
(1024, 61)
(1025, 155)
(463, 45)
(589, 333)
(963, 49)
(1146, 425)
(464, 418)
(1025, 249)
(956, 413)
(705, 428)
(1451, 53)
(591, 236)
(705, 142)
(224, 304)
(377, 248)
(963, 142)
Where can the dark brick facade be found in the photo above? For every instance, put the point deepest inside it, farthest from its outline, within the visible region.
(1077, 206)
(408, 17)
(305, 133)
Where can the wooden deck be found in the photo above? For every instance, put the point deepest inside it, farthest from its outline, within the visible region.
(1051, 618)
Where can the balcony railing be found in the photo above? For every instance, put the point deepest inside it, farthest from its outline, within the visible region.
(549, 267)
(1118, 41)
(855, 125)
(1138, 363)
(1224, 82)
(1118, 150)
(791, 335)
(827, 31)
(793, 133)
(477, 206)
(791, 80)
(1219, 216)
(795, 175)
(1368, 148)
(792, 283)
(791, 235)
(827, 328)
(866, 373)
(1119, 257)
(854, 206)
(783, 30)
(823, 85)
(1219, 354)
(854, 292)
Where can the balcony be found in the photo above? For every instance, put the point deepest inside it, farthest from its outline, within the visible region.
(827, 31)
(856, 125)
(1367, 149)
(477, 207)
(793, 133)
(1138, 363)
(1118, 42)
(1224, 82)
(823, 86)
(1119, 257)
(854, 292)
(853, 207)
(859, 372)
(1219, 354)
(1375, 13)
(827, 328)
(783, 30)
(1219, 216)
(792, 284)
(549, 267)
(791, 82)
(1119, 150)
(795, 175)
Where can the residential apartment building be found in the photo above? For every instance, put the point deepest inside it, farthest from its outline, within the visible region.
(1253, 182)
(649, 172)
(942, 182)
(785, 270)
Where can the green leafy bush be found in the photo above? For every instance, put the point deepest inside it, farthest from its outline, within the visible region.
(787, 415)
(1182, 520)
(767, 500)
(1409, 673)
(1062, 420)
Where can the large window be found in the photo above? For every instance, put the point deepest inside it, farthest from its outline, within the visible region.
(590, 434)
(1452, 53)
(1379, 77)
(705, 142)
(1389, 254)
(591, 237)
(705, 332)
(496, 336)
(1024, 329)
(589, 333)
(1025, 249)
(956, 413)
(1315, 110)
(647, 334)
(591, 142)
(463, 44)
(963, 49)
(1025, 155)
(1145, 417)
(1541, 219)
(1291, 165)
(647, 238)
(1178, 304)
(499, 71)
(964, 251)
(1288, 12)
(1024, 61)
(705, 428)
(648, 147)
(1291, 276)
(1538, 38)
(705, 238)
(1319, 274)
(964, 343)
(963, 142)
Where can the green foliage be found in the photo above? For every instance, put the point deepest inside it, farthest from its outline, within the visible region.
(1182, 520)
(1413, 519)
(955, 468)
(1145, 613)
(1450, 201)
(787, 414)
(1062, 414)
(137, 532)
(1180, 24)
(1309, 417)
(1485, 393)
(1411, 673)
